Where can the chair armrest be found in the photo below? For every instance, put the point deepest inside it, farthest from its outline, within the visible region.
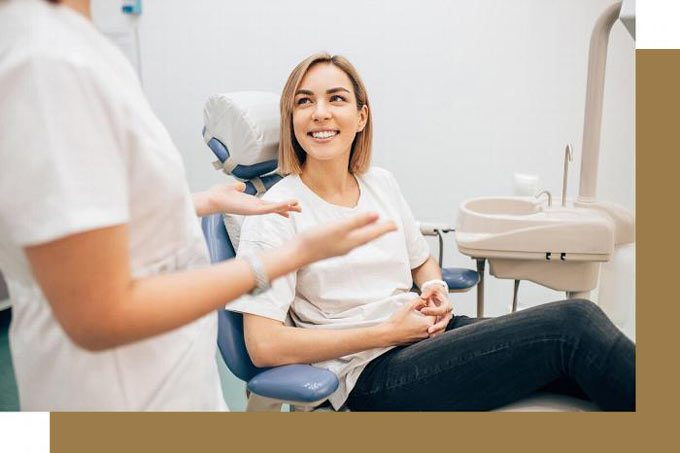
(294, 383)
(459, 279)
(429, 228)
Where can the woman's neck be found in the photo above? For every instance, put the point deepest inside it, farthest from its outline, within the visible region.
(331, 180)
(80, 6)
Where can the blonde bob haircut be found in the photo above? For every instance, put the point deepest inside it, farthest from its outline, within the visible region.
(291, 154)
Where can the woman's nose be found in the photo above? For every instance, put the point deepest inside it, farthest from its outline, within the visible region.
(321, 111)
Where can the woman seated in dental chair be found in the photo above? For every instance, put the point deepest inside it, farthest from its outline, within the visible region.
(354, 315)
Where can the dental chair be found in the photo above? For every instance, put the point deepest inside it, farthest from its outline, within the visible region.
(242, 131)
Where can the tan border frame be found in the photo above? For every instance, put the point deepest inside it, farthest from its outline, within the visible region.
(658, 146)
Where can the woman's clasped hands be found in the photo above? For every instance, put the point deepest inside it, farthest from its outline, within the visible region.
(425, 317)
(439, 306)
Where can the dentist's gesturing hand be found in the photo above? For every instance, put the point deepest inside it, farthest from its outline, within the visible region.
(438, 305)
(339, 238)
(229, 198)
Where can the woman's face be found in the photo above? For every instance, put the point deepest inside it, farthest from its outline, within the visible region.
(325, 114)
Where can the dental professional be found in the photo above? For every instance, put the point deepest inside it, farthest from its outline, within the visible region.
(355, 315)
(114, 301)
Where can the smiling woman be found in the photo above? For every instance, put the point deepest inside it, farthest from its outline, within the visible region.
(356, 316)
(314, 103)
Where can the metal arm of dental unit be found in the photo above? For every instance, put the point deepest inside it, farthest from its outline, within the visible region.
(592, 121)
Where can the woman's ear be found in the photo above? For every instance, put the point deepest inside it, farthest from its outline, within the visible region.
(363, 118)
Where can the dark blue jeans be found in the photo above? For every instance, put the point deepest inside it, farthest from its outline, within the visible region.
(568, 347)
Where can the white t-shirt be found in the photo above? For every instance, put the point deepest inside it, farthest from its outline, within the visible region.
(80, 148)
(360, 289)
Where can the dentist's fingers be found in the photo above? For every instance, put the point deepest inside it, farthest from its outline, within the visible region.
(362, 228)
(283, 208)
(368, 233)
(338, 238)
(357, 221)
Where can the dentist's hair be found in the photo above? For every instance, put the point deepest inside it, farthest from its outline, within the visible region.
(291, 154)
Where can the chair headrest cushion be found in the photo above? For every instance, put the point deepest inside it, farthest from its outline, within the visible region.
(247, 124)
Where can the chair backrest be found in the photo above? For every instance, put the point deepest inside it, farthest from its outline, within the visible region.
(241, 130)
(230, 338)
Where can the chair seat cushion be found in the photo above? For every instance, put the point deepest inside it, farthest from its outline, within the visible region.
(549, 402)
(459, 278)
(294, 383)
(537, 402)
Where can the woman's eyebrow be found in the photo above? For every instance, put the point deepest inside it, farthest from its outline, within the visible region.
(307, 92)
(329, 91)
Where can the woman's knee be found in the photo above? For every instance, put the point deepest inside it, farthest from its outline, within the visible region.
(578, 314)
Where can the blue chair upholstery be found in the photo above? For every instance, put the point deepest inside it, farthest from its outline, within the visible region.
(241, 171)
(291, 383)
(460, 279)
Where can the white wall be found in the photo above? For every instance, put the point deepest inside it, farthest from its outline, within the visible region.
(464, 93)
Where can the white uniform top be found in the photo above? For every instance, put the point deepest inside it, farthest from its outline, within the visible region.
(360, 289)
(81, 149)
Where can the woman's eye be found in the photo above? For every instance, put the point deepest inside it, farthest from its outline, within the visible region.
(302, 101)
(337, 98)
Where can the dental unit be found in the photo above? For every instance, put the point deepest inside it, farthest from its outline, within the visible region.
(557, 245)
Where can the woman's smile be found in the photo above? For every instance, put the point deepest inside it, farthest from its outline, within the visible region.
(324, 135)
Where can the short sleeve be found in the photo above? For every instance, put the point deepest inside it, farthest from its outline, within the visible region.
(62, 157)
(261, 233)
(416, 245)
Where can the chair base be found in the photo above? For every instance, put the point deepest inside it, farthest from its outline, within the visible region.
(258, 403)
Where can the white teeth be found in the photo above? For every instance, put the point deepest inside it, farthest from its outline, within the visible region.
(324, 134)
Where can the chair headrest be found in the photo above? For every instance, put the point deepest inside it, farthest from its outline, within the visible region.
(242, 130)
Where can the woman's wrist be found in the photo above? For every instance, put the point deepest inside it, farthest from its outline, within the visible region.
(381, 335)
(438, 283)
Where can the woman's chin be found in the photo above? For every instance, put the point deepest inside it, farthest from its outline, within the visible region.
(325, 154)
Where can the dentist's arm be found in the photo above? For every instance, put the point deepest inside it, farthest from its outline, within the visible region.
(271, 343)
(87, 281)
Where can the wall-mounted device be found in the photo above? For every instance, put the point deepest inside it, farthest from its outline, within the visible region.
(132, 7)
